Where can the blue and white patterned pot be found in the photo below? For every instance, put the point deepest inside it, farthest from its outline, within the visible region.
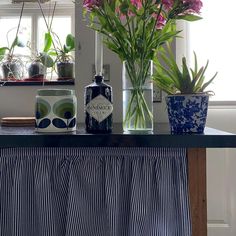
(187, 113)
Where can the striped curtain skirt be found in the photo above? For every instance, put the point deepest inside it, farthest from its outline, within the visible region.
(94, 192)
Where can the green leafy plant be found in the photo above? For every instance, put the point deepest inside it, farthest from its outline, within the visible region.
(7, 53)
(62, 51)
(12, 65)
(173, 80)
(44, 56)
(53, 46)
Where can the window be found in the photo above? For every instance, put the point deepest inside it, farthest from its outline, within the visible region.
(8, 32)
(33, 28)
(214, 38)
(57, 24)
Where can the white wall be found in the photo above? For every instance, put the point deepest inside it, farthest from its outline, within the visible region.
(19, 101)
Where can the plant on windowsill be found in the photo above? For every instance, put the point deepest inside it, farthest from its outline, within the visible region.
(40, 61)
(64, 60)
(11, 64)
(187, 100)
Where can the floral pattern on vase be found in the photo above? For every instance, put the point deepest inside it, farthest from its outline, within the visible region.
(187, 113)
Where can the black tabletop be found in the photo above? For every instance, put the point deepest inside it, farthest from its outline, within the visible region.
(161, 137)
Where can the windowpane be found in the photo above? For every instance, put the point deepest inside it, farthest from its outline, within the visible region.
(31, 33)
(61, 26)
(8, 28)
(214, 39)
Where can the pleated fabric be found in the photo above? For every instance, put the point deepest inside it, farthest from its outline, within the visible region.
(94, 192)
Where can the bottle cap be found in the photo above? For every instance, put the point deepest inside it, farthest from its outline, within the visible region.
(98, 78)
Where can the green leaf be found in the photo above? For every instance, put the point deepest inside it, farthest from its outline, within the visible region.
(195, 63)
(66, 49)
(52, 53)
(164, 83)
(14, 43)
(47, 42)
(20, 44)
(172, 63)
(196, 76)
(17, 42)
(210, 81)
(70, 42)
(3, 51)
(161, 70)
(189, 17)
(186, 77)
(124, 8)
(46, 60)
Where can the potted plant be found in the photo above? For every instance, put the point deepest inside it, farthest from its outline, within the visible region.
(64, 60)
(187, 100)
(40, 61)
(12, 66)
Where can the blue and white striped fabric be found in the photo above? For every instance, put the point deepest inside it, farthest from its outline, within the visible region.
(94, 192)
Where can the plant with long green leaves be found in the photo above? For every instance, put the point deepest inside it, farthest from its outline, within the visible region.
(134, 30)
(174, 80)
(63, 51)
(7, 53)
(44, 56)
(53, 46)
(10, 60)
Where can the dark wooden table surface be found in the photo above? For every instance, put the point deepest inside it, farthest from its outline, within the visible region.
(195, 144)
(161, 137)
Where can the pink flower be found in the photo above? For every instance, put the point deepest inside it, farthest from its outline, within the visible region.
(167, 4)
(136, 3)
(90, 4)
(161, 21)
(193, 6)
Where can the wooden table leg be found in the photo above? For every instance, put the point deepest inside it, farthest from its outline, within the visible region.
(197, 189)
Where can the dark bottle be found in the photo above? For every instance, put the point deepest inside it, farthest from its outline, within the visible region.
(98, 106)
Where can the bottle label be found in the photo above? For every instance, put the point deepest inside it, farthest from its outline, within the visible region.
(99, 108)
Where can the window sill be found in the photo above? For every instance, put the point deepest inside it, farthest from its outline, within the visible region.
(36, 83)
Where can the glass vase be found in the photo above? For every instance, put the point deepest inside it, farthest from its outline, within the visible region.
(137, 96)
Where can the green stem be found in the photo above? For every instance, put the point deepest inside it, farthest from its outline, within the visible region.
(155, 23)
(11, 51)
(137, 113)
(46, 23)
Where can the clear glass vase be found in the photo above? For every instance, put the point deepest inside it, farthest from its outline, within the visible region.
(137, 96)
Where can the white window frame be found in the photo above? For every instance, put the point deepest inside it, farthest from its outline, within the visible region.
(182, 49)
(33, 10)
